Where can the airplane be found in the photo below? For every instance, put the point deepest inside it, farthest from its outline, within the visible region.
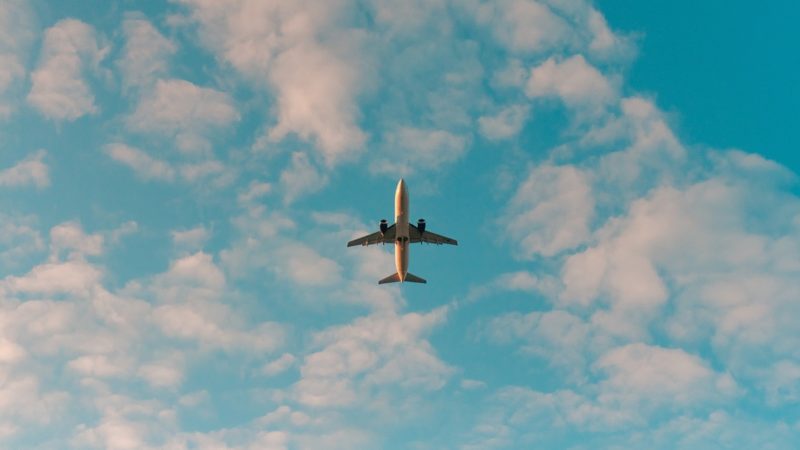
(401, 233)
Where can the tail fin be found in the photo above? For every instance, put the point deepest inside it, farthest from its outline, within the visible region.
(394, 278)
(414, 279)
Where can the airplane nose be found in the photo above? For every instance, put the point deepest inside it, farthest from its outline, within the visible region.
(401, 183)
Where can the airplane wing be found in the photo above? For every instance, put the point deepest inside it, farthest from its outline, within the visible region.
(428, 237)
(375, 238)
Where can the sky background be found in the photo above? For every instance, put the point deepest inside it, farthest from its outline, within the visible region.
(178, 180)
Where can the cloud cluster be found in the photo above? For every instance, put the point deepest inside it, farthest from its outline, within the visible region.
(17, 32)
(30, 171)
(59, 90)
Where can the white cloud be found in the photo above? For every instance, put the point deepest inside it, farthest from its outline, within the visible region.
(524, 25)
(304, 266)
(642, 376)
(653, 155)
(505, 124)
(31, 171)
(166, 373)
(192, 239)
(279, 365)
(210, 171)
(255, 190)
(19, 239)
(70, 236)
(471, 385)
(142, 164)
(10, 351)
(100, 366)
(53, 278)
(192, 277)
(185, 112)
(58, 89)
(550, 212)
(409, 148)
(372, 354)
(562, 339)
(144, 57)
(315, 100)
(17, 31)
(24, 403)
(577, 83)
(518, 281)
(301, 178)
(298, 49)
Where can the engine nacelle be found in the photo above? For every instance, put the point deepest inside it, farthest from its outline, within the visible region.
(421, 225)
(384, 225)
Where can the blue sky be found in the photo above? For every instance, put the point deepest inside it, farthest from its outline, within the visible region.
(180, 178)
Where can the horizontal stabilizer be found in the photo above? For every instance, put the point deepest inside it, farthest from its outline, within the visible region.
(393, 278)
(410, 277)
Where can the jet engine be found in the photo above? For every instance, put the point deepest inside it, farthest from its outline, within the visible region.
(384, 225)
(421, 225)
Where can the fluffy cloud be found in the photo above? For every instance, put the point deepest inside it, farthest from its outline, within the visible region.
(30, 171)
(70, 236)
(577, 83)
(185, 112)
(58, 88)
(19, 239)
(142, 164)
(17, 31)
(316, 106)
(410, 148)
(75, 277)
(191, 239)
(144, 57)
(524, 25)
(506, 124)
(301, 177)
(282, 43)
(550, 212)
(374, 352)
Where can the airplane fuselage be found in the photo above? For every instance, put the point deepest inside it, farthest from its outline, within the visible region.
(401, 237)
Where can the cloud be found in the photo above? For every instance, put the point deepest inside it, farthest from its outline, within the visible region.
(255, 190)
(298, 50)
(17, 32)
(19, 240)
(550, 212)
(31, 171)
(75, 277)
(100, 366)
(409, 148)
(524, 25)
(142, 164)
(145, 54)
(58, 89)
(562, 339)
(301, 178)
(279, 365)
(641, 375)
(191, 239)
(315, 106)
(374, 352)
(577, 83)
(70, 236)
(304, 266)
(506, 124)
(185, 112)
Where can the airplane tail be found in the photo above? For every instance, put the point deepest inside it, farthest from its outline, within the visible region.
(414, 279)
(394, 278)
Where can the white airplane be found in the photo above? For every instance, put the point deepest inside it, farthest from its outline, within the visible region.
(401, 233)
